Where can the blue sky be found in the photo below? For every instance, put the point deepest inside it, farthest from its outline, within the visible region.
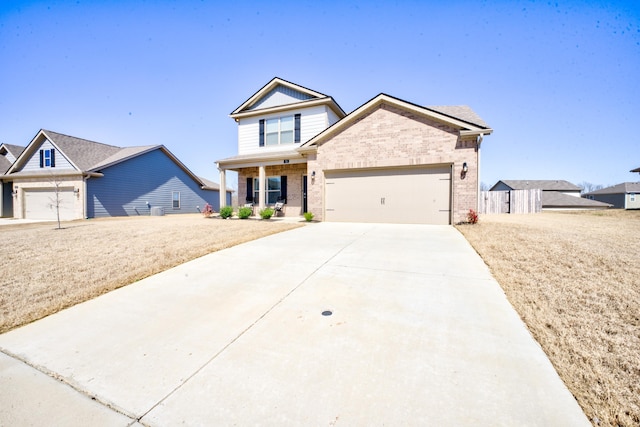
(559, 82)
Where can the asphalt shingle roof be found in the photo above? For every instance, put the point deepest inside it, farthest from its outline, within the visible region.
(623, 188)
(542, 184)
(462, 112)
(556, 199)
(82, 152)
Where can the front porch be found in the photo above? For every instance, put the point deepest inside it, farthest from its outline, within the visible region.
(264, 186)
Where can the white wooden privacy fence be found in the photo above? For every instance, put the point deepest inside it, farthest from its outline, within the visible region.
(514, 201)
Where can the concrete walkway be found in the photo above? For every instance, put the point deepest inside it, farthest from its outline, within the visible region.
(419, 334)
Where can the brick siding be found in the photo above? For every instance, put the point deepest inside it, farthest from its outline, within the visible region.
(392, 137)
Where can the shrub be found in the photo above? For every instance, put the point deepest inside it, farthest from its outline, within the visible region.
(244, 212)
(266, 213)
(226, 212)
(472, 217)
(308, 216)
(207, 211)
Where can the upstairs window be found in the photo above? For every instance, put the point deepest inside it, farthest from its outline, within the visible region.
(280, 130)
(48, 158)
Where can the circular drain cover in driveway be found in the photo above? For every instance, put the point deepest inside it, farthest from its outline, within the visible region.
(327, 313)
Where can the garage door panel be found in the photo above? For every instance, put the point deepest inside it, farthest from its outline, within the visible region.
(41, 204)
(400, 195)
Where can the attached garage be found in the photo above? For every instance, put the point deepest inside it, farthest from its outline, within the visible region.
(407, 195)
(41, 204)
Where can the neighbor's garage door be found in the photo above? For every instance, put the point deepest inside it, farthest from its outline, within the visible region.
(40, 204)
(399, 195)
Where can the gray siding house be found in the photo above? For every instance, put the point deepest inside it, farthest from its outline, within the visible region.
(87, 179)
(556, 194)
(8, 154)
(621, 196)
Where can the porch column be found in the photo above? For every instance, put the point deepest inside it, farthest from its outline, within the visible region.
(262, 176)
(222, 193)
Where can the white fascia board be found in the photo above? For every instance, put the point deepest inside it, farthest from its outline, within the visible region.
(268, 87)
(295, 106)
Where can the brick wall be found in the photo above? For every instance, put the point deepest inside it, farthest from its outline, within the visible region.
(390, 137)
(294, 175)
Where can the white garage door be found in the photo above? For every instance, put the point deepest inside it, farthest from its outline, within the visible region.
(399, 195)
(41, 204)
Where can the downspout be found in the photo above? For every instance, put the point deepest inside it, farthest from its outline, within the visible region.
(478, 143)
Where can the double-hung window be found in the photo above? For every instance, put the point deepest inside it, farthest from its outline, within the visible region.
(280, 130)
(175, 199)
(273, 189)
(47, 158)
(276, 189)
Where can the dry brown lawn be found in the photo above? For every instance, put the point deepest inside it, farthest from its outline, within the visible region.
(46, 270)
(574, 279)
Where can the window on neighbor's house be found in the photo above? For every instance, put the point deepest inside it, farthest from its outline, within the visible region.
(47, 158)
(632, 197)
(273, 189)
(175, 197)
(280, 130)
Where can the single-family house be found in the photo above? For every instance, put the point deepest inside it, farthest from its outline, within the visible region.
(8, 154)
(556, 194)
(78, 178)
(621, 196)
(389, 160)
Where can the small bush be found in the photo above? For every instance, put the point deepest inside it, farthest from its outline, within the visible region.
(244, 212)
(266, 213)
(472, 217)
(226, 212)
(308, 216)
(207, 211)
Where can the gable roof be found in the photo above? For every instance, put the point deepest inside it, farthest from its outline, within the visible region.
(81, 153)
(623, 188)
(542, 184)
(465, 125)
(463, 112)
(91, 157)
(295, 96)
(8, 154)
(557, 199)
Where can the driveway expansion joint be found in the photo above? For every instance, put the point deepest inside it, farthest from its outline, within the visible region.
(69, 383)
(262, 316)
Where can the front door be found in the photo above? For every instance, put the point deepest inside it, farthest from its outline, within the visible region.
(304, 193)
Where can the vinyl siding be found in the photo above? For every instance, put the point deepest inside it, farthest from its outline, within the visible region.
(617, 200)
(312, 121)
(331, 116)
(280, 96)
(33, 164)
(125, 188)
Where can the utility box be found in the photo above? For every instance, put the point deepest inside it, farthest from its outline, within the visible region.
(157, 211)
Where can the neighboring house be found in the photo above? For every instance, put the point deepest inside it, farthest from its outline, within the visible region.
(387, 161)
(87, 179)
(8, 154)
(622, 196)
(556, 194)
(635, 170)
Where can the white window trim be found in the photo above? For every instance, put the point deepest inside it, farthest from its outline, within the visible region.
(256, 190)
(279, 132)
(173, 200)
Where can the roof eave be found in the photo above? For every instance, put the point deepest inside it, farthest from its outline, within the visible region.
(387, 99)
(330, 102)
(262, 159)
(269, 86)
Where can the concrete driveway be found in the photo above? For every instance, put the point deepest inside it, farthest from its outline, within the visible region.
(419, 333)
